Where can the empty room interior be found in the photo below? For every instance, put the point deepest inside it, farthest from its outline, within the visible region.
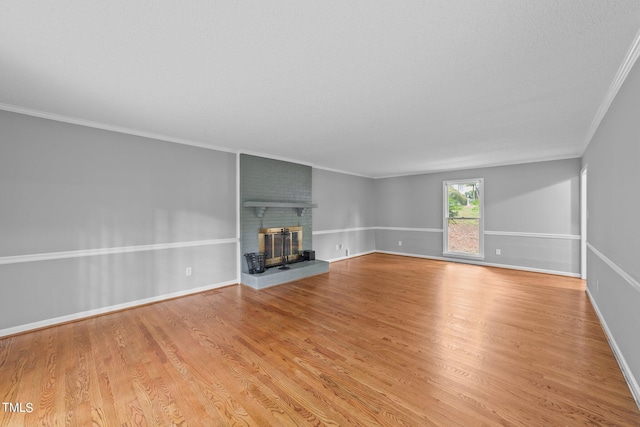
(320, 213)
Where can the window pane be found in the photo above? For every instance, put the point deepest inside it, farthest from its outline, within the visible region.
(464, 236)
(470, 210)
(463, 217)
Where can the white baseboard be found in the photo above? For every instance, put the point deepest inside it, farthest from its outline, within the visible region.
(487, 264)
(624, 367)
(350, 256)
(103, 310)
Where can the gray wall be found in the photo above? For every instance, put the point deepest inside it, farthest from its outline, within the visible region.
(345, 215)
(531, 214)
(65, 188)
(271, 180)
(613, 230)
(70, 188)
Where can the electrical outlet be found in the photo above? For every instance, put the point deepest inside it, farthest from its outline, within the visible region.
(399, 242)
(346, 253)
(337, 247)
(498, 252)
(188, 271)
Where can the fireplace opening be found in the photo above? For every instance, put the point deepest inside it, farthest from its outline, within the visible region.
(281, 246)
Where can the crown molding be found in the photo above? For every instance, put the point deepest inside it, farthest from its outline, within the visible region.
(485, 166)
(300, 162)
(110, 128)
(343, 172)
(618, 80)
(274, 157)
(128, 131)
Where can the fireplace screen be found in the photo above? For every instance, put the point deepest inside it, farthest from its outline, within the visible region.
(272, 241)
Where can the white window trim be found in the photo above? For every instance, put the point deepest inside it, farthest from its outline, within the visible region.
(445, 216)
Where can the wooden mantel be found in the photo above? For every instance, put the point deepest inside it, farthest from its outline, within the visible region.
(261, 207)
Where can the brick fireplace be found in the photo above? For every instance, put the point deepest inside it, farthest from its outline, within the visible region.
(275, 194)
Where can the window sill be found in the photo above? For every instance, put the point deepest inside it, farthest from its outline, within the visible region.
(461, 255)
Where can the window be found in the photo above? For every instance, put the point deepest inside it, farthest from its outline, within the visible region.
(463, 218)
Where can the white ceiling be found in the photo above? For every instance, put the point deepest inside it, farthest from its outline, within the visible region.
(372, 87)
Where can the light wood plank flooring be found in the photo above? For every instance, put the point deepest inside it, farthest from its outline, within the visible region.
(380, 340)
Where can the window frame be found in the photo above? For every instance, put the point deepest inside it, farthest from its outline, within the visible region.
(445, 222)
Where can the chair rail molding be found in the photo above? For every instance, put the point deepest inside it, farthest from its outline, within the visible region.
(110, 251)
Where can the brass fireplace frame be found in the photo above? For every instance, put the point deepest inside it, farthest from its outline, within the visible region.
(270, 242)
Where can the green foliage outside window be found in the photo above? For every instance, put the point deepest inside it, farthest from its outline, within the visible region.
(456, 201)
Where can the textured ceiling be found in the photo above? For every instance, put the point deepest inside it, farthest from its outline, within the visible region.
(374, 87)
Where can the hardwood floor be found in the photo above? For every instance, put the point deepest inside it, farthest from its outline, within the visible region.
(380, 340)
